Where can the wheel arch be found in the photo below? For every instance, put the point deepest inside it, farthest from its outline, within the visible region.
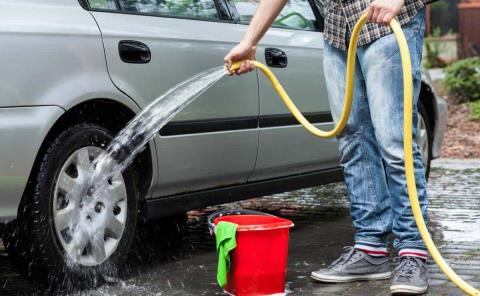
(427, 98)
(112, 115)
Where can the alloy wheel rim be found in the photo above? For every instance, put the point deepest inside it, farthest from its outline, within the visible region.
(89, 228)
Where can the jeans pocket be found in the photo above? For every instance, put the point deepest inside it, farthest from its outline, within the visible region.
(414, 29)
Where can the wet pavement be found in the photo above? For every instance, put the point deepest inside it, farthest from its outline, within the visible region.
(186, 264)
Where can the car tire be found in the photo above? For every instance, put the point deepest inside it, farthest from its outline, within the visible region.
(36, 245)
(424, 137)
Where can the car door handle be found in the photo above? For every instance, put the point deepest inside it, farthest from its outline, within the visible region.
(134, 52)
(276, 58)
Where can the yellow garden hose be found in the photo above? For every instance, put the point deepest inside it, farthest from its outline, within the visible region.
(407, 132)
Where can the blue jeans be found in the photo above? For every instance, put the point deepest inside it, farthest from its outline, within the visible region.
(372, 143)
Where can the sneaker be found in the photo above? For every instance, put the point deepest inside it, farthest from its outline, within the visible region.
(410, 276)
(354, 265)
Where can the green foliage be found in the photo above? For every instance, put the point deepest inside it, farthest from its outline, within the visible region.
(100, 4)
(443, 14)
(185, 8)
(462, 79)
(439, 5)
(474, 109)
(433, 49)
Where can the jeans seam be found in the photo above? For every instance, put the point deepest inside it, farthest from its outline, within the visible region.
(366, 118)
(370, 173)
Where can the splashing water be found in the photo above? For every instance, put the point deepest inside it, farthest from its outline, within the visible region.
(110, 163)
(131, 140)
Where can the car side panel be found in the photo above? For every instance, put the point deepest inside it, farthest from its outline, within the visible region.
(441, 115)
(181, 48)
(441, 125)
(52, 54)
(287, 150)
(22, 130)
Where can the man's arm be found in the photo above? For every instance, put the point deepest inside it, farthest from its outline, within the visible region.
(379, 11)
(266, 13)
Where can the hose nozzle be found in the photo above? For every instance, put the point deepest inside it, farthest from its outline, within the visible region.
(235, 66)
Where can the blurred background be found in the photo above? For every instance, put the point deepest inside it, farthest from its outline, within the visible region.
(451, 57)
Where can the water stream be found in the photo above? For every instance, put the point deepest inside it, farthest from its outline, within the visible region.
(131, 140)
(87, 229)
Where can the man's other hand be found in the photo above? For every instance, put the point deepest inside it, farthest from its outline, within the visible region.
(242, 51)
(383, 11)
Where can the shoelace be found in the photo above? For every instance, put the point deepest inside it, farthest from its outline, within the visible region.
(348, 253)
(406, 267)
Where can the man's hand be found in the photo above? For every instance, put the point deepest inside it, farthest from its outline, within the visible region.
(267, 11)
(242, 51)
(383, 11)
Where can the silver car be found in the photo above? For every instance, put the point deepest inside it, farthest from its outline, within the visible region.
(75, 72)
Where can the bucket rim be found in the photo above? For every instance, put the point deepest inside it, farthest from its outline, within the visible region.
(283, 223)
(230, 212)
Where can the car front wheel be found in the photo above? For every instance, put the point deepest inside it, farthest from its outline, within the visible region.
(66, 235)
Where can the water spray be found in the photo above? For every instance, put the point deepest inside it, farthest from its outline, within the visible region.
(97, 192)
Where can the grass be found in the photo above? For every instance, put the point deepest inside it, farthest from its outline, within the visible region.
(474, 109)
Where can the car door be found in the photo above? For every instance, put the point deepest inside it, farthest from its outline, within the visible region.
(293, 49)
(213, 142)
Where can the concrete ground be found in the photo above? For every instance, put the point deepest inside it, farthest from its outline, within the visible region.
(186, 265)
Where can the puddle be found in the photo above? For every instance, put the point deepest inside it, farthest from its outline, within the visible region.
(455, 201)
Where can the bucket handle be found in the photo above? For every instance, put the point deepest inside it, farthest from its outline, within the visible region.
(228, 212)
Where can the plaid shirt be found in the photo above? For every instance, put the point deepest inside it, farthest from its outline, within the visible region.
(341, 15)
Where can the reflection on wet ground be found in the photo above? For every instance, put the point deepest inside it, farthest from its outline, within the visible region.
(187, 264)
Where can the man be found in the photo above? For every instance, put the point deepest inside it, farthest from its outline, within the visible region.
(372, 143)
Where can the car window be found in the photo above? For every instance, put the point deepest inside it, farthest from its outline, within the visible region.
(203, 9)
(321, 6)
(297, 14)
(103, 4)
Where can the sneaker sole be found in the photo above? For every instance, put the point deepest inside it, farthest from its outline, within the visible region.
(352, 278)
(406, 289)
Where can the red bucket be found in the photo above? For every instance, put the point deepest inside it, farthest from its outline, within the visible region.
(259, 262)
